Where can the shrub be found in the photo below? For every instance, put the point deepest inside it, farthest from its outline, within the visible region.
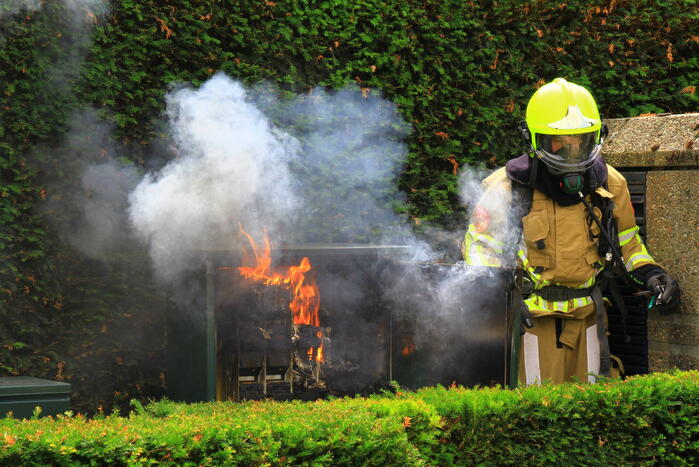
(641, 421)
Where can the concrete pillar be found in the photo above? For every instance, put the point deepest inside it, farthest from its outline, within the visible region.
(667, 148)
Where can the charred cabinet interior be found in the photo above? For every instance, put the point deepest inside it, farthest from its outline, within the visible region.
(238, 339)
(263, 350)
(459, 335)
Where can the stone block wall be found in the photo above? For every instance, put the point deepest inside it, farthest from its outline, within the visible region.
(667, 148)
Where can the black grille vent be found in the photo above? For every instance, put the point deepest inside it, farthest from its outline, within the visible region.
(633, 354)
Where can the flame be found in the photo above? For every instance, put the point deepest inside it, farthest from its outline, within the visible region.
(305, 303)
(319, 354)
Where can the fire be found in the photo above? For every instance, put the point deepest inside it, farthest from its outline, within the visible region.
(319, 354)
(407, 350)
(305, 303)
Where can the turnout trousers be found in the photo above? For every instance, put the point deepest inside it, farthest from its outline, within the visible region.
(561, 347)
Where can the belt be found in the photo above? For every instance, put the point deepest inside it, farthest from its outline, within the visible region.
(557, 293)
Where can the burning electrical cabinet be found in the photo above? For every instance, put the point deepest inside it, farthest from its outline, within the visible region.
(276, 331)
(310, 321)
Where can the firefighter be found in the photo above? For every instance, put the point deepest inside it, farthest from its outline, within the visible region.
(567, 217)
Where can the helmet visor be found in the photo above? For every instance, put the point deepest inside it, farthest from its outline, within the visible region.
(568, 153)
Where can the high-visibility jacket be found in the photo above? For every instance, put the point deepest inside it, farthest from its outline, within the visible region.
(559, 244)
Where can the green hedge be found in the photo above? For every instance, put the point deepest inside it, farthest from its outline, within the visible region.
(646, 420)
(460, 71)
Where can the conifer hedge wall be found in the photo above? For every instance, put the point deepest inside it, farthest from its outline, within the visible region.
(460, 71)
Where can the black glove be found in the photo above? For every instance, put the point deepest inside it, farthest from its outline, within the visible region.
(526, 318)
(666, 292)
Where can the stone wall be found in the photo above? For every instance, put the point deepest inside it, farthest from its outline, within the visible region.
(667, 147)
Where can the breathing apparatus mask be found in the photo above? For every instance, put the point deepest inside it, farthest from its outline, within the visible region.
(567, 157)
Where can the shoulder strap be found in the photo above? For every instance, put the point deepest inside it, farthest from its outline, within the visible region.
(606, 207)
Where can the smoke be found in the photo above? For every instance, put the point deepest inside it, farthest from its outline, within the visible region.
(313, 168)
(316, 168)
(70, 23)
(232, 170)
(352, 152)
(87, 7)
(90, 214)
(103, 230)
(12, 7)
(80, 10)
(455, 312)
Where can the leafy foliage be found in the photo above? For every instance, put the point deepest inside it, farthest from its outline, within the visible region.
(645, 420)
(460, 72)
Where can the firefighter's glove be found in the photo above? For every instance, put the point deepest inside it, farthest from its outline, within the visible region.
(666, 293)
(526, 316)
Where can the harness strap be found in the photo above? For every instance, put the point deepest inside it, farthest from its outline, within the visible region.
(604, 358)
(608, 278)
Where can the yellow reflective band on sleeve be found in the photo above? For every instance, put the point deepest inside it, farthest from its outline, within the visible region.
(480, 256)
(636, 259)
(484, 238)
(639, 257)
(477, 249)
(523, 257)
(627, 235)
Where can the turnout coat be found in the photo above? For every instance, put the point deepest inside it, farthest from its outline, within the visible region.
(558, 246)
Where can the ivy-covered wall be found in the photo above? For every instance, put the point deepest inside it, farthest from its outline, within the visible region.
(460, 72)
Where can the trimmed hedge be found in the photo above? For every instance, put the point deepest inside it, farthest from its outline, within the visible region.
(641, 421)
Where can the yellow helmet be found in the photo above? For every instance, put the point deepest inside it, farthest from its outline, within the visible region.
(565, 126)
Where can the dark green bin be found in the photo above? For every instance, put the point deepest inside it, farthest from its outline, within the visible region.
(20, 394)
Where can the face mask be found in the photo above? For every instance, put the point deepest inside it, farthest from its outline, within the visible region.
(572, 183)
(565, 154)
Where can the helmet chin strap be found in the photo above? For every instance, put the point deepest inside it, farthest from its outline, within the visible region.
(572, 183)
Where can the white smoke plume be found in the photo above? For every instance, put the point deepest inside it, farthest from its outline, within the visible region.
(315, 168)
(353, 151)
(322, 172)
(103, 228)
(231, 170)
(80, 9)
(455, 313)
